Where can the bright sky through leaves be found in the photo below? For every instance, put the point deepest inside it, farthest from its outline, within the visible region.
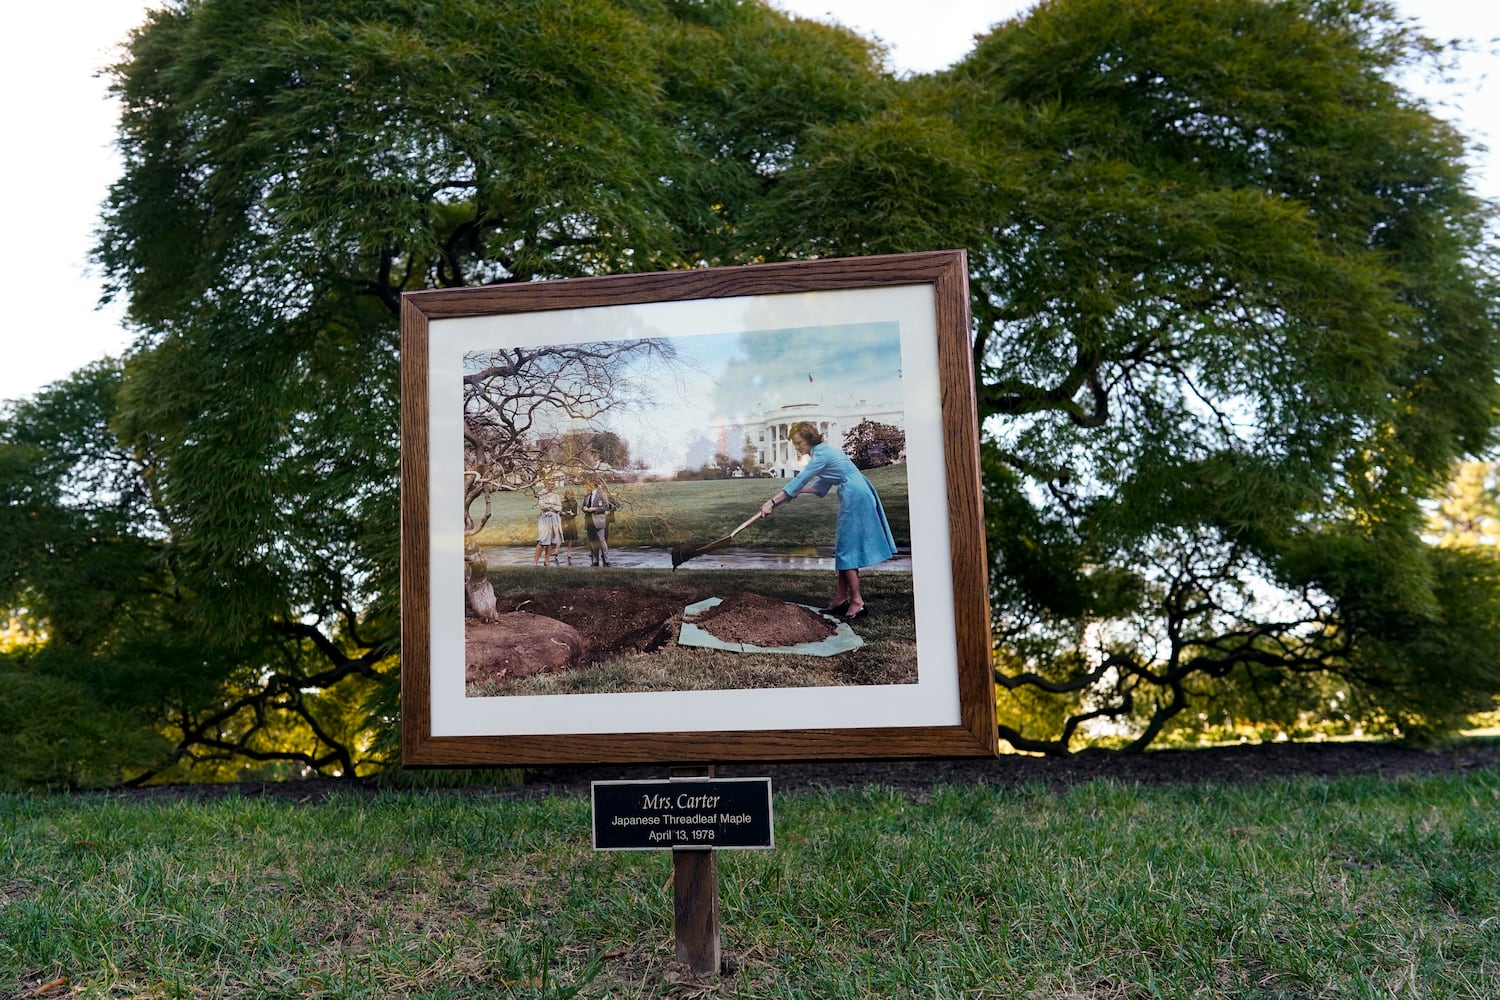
(61, 163)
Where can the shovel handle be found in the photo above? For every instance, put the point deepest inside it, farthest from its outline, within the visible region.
(752, 520)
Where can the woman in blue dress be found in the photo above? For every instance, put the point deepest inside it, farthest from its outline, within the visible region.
(863, 535)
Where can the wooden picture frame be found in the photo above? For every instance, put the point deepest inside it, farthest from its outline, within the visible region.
(948, 711)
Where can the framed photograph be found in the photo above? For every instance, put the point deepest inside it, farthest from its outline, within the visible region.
(702, 516)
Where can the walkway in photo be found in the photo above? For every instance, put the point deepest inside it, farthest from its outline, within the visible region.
(728, 558)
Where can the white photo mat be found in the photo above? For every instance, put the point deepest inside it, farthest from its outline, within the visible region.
(932, 701)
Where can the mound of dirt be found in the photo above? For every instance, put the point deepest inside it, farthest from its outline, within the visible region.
(561, 629)
(518, 644)
(757, 620)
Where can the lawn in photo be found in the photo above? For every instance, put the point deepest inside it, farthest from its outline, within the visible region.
(640, 514)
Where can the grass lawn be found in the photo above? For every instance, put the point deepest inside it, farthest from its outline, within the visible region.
(672, 513)
(1356, 887)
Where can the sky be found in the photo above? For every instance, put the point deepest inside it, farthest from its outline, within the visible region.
(59, 123)
(720, 381)
(751, 373)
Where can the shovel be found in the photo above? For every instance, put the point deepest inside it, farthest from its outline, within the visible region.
(682, 553)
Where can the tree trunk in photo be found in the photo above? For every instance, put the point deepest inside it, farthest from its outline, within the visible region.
(477, 586)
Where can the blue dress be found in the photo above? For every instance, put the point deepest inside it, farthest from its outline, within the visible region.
(863, 535)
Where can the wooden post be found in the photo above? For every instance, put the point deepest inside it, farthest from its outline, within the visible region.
(695, 899)
(695, 906)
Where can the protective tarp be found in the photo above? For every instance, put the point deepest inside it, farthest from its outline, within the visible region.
(842, 640)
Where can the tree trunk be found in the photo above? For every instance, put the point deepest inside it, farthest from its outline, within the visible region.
(477, 585)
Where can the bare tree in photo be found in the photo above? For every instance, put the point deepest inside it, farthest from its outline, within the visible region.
(522, 408)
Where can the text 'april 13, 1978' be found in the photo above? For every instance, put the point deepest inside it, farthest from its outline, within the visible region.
(718, 813)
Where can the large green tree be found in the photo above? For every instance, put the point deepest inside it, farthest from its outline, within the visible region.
(290, 170)
(1233, 318)
(127, 673)
(1268, 296)
(83, 572)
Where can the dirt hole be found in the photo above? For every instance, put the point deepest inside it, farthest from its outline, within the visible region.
(564, 629)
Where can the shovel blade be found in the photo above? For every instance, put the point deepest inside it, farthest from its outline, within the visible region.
(682, 553)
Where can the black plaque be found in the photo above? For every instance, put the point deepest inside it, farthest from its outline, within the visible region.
(683, 814)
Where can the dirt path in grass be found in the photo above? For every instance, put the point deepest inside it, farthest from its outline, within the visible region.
(1220, 765)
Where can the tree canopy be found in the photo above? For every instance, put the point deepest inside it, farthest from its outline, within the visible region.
(1234, 321)
(871, 443)
(1224, 353)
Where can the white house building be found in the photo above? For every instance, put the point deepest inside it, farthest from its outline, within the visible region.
(769, 428)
